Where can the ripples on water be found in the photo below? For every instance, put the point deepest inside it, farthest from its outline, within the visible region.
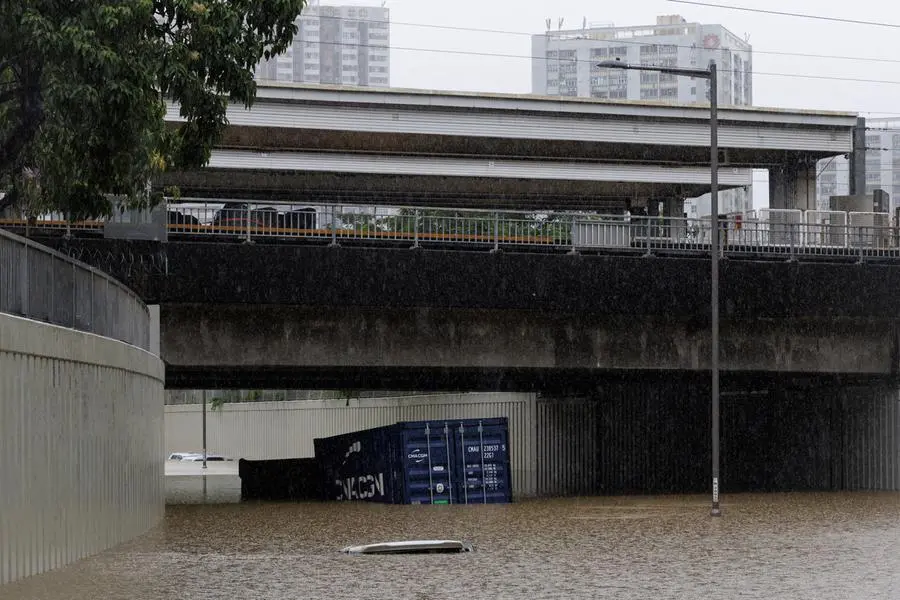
(817, 546)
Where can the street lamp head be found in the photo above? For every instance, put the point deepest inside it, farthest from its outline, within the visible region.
(612, 64)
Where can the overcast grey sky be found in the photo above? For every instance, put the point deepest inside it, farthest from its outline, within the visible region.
(437, 68)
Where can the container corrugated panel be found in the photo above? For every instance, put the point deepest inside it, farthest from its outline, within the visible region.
(455, 462)
(425, 462)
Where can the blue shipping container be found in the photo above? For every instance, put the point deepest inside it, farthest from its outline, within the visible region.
(424, 462)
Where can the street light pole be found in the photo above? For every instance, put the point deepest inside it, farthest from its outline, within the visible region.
(714, 251)
(714, 276)
(204, 428)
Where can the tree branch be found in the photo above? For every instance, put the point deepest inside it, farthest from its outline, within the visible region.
(10, 94)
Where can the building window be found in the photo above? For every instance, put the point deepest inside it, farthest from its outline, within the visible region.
(668, 93)
(649, 94)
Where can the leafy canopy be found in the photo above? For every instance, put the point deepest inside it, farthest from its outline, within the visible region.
(84, 83)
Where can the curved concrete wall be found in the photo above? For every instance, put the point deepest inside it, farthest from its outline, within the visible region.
(81, 445)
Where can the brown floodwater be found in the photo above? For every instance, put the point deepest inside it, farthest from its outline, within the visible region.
(817, 546)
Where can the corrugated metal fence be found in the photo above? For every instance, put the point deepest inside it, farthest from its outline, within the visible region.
(42, 284)
(265, 430)
(652, 438)
(81, 439)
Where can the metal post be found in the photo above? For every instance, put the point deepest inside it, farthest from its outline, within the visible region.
(714, 277)
(573, 238)
(430, 469)
(92, 328)
(247, 240)
(496, 232)
(416, 229)
(204, 429)
(481, 449)
(23, 278)
(465, 481)
(74, 296)
(792, 257)
(647, 252)
(333, 227)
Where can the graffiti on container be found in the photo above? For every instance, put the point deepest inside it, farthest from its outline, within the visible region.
(361, 488)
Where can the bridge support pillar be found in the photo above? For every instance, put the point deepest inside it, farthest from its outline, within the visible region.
(793, 187)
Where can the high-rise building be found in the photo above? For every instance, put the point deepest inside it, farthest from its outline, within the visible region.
(346, 44)
(882, 166)
(565, 63)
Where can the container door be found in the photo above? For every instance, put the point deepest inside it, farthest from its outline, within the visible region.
(482, 461)
(428, 464)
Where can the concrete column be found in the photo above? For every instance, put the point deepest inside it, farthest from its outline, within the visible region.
(793, 187)
(153, 309)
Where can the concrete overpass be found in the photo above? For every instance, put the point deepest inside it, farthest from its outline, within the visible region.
(310, 316)
(395, 146)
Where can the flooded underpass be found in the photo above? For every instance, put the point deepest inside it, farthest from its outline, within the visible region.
(617, 532)
(822, 546)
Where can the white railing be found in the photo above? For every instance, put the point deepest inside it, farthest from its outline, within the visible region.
(789, 233)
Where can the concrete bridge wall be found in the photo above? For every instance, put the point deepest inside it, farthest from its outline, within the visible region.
(81, 445)
(366, 344)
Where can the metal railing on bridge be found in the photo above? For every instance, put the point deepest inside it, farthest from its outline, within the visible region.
(44, 285)
(768, 232)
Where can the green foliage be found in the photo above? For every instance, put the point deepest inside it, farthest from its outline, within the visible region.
(84, 83)
(554, 226)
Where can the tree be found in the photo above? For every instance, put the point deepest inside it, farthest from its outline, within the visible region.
(84, 84)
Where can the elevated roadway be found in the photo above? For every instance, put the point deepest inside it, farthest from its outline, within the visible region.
(384, 146)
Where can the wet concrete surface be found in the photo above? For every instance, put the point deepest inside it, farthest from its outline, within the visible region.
(816, 546)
